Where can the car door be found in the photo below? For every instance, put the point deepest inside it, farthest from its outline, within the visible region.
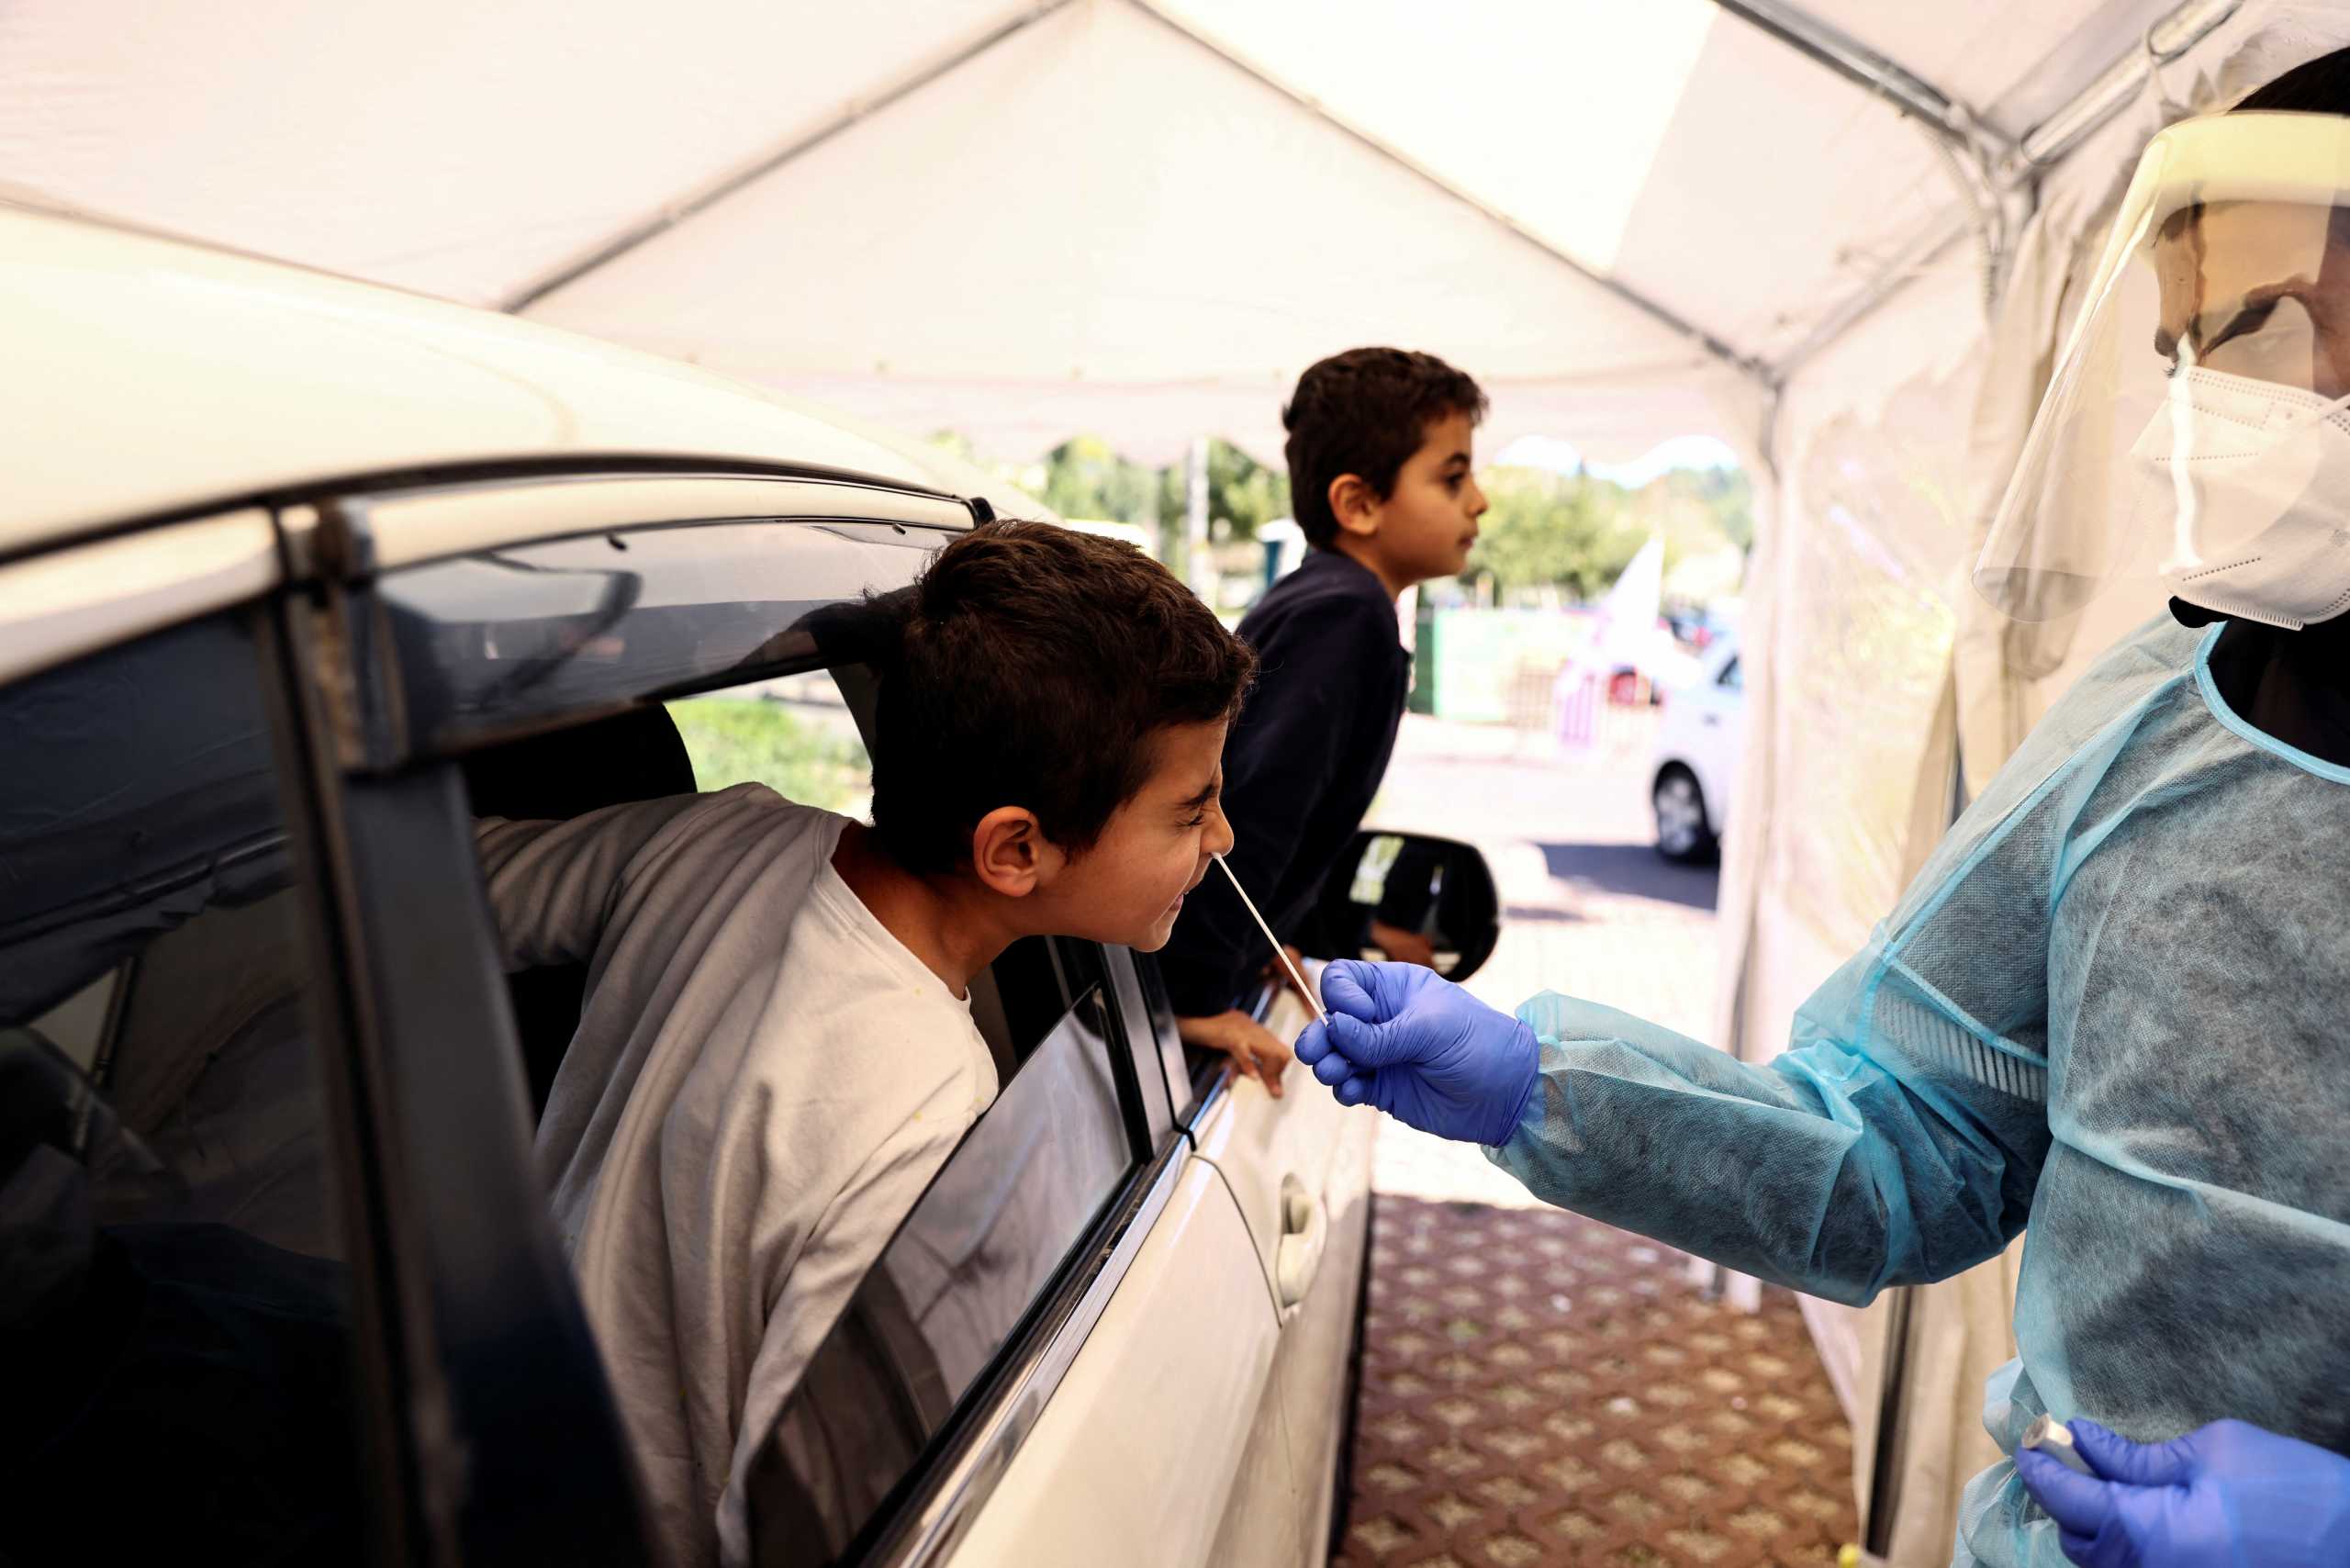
(1299, 1169)
(1719, 733)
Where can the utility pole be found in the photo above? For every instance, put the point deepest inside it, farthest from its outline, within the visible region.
(1198, 567)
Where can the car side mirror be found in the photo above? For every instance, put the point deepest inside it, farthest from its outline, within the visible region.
(1434, 897)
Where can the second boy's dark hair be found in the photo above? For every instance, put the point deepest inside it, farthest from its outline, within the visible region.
(1034, 666)
(1365, 412)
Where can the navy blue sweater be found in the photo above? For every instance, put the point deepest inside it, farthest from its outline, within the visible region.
(1300, 768)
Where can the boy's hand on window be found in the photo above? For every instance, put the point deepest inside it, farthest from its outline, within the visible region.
(1256, 1051)
(1404, 946)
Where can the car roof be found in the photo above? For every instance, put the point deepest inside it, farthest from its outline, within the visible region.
(149, 376)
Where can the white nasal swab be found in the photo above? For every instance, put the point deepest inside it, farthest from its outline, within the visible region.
(1279, 951)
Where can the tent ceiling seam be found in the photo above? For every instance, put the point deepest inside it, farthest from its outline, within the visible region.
(674, 213)
(1663, 315)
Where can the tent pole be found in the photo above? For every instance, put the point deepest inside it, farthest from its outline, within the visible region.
(676, 212)
(2188, 25)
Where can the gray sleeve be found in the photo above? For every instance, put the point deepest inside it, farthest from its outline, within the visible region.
(552, 884)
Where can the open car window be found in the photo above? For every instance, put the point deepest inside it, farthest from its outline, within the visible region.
(578, 674)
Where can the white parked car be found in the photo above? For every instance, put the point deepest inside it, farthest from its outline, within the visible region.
(299, 575)
(1695, 773)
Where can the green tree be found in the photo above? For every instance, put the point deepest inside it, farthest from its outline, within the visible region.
(1243, 494)
(1085, 479)
(1547, 530)
(1703, 503)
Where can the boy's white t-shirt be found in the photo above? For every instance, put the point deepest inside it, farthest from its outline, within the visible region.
(762, 1083)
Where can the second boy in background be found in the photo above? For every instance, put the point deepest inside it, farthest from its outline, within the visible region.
(1379, 477)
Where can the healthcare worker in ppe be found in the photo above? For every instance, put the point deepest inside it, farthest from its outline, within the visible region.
(2115, 1006)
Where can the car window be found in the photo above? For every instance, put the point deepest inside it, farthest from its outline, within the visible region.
(175, 1307)
(1732, 677)
(980, 1253)
(793, 734)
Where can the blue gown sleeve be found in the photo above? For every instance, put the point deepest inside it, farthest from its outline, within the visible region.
(1845, 1166)
(1901, 1137)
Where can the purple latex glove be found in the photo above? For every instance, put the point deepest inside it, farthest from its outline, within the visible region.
(2225, 1495)
(1422, 1049)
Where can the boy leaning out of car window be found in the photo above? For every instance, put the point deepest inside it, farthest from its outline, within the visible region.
(777, 1052)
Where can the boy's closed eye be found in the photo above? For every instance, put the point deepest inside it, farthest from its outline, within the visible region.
(1194, 810)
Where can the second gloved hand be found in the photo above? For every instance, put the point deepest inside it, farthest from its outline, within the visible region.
(1422, 1049)
(2225, 1495)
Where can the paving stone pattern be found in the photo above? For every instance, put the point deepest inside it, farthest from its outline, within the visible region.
(1538, 1389)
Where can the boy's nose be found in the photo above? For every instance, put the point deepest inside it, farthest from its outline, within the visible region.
(1218, 839)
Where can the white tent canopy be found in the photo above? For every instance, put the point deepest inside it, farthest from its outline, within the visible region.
(1140, 218)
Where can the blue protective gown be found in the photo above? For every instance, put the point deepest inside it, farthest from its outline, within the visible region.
(2115, 1007)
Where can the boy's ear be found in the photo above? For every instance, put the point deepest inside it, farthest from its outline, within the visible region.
(1010, 854)
(1355, 504)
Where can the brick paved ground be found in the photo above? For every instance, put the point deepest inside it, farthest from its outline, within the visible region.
(1538, 1388)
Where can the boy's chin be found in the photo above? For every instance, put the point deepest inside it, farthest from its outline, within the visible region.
(1152, 937)
(1442, 563)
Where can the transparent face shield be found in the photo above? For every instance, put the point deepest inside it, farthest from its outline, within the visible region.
(2198, 425)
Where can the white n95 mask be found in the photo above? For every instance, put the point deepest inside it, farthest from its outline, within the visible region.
(2260, 477)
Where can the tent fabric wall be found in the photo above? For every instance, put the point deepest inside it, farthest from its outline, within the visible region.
(1857, 589)
(1924, 399)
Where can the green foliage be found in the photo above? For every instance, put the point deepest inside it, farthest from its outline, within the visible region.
(1569, 532)
(1701, 504)
(737, 740)
(1545, 529)
(1086, 478)
(1576, 534)
(1243, 495)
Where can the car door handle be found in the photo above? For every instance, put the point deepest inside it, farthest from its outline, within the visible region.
(1712, 718)
(1305, 1228)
